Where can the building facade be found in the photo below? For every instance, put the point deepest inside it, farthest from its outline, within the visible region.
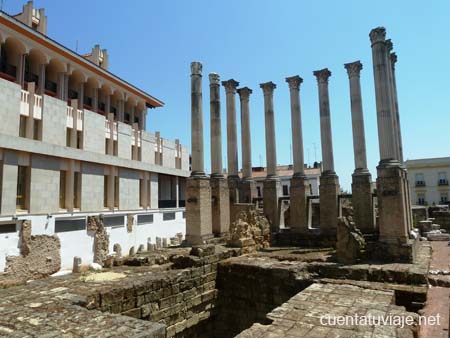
(428, 180)
(73, 143)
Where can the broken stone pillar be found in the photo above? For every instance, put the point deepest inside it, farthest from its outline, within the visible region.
(392, 182)
(329, 181)
(220, 199)
(232, 152)
(198, 190)
(361, 178)
(248, 187)
(299, 182)
(271, 186)
(76, 265)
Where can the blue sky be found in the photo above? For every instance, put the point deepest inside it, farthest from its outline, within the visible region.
(151, 44)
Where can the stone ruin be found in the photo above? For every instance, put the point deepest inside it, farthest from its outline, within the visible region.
(250, 231)
(350, 244)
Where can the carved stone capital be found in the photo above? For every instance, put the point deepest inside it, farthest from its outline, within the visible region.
(389, 45)
(393, 59)
(196, 68)
(322, 75)
(353, 68)
(268, 87)
(230, 85)
(377, 35)
(244, 93)
(214, 79)
(294, 82)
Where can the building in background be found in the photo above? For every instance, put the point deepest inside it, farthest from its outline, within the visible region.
(285, 173)
(73, 143)
(428, 180)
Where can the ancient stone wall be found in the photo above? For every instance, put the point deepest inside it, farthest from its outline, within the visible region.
(442, 218)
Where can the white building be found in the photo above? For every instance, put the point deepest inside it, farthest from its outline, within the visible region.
(285, 173)
(428, 180)
(73, 143)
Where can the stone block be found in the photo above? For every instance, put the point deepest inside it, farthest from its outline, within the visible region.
(220, 204)
(329, 191)
(198, 210)
(247, 191)
(362, 201)
(299, 205)
(270, 202)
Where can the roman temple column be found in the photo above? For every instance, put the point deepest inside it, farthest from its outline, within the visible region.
(232, 152)
(329, 181)
(198, 190)
(220, 198)
(272, 182)
(361, 178)
(393, 59)
(299, 182)
(394, 213)
(248, 188)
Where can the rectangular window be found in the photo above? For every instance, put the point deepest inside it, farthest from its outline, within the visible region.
(444, 197)
(22, 188)
(114, 220)
(116, 191)
(37, 130)
(66, 225)
(106, 146)
(23, 126)
(62, 189)
(420, 180)
(144, 219)
(116, 148)
(105, 191)
(168, 216)
(258, 189)
(141, 193)
(285, 190)
(7, 228)
(421, 199)
(79, 139)
(68, 130)
(442, 178)
(77, 190)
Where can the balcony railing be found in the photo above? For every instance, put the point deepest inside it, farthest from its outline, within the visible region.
(442, 182)
(111, 128)
(420, 183)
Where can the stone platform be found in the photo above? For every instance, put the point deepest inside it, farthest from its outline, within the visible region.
(305, 314)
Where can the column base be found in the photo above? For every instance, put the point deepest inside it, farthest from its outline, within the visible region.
(394, 214)
(362, 201)
(328, 194)
(271, 191)
(298, 204)
(220, 206)
(198, 210)
(247, 190)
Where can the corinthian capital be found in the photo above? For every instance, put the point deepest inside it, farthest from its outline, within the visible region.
(294, 82)
(377, 35)
(268, 87)
(389, 45)
(244, 93)
(230, 86)
(353, 68)
(322, 75)
(196, 68)
(214, 79)
(393, 59)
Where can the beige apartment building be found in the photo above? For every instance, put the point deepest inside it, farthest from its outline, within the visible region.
(73, 142)
(428, 180)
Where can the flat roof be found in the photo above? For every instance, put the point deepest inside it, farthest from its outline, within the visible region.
(55, 46)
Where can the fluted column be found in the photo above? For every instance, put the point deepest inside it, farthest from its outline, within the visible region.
(325, 121)
(248, 188)
(272, 182)
(271, 152)
(216, 129)
(296, 118)
(244, 95)
(383, 96)
(299, 182)
(359, 139)
(361, 178)
(393, 57)
(197, 120)
(232, 153)
(329, 182)
(198, 189)
(220, 196)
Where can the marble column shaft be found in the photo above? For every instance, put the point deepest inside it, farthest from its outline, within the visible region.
(232, 152)
(383, 95)
(244, 95)
(325, 121)
(271, 151)
(198, 168)
(359, 139)
(216, 129)
(296, 118)
(393, 58)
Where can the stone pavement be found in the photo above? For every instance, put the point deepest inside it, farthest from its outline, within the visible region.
(300, 317)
